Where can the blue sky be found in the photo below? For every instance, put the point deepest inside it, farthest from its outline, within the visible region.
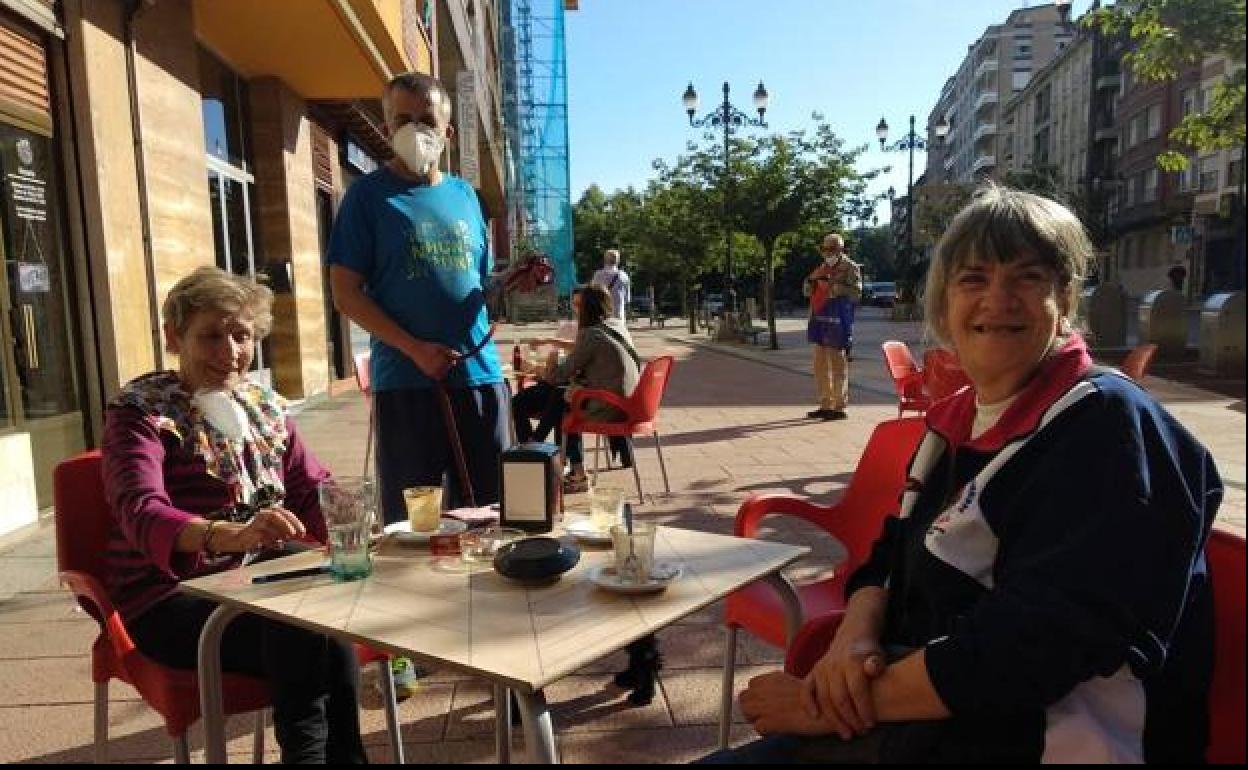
(851, 60)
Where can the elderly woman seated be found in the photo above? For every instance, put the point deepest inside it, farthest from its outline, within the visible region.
(1042, 593)
(202, 467)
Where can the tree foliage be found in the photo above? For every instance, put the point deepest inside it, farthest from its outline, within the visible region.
(1169, 36)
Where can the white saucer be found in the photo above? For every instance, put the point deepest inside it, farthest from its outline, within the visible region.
(402, 530)
(585, 531)
(661, 576)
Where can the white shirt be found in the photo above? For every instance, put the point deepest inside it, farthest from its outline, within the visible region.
(616, 282)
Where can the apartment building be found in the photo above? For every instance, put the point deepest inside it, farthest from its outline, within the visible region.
(1215, 240)
(1045, 125)
(1150, 216)
(468, 52)
(997, 66)
(140, 140)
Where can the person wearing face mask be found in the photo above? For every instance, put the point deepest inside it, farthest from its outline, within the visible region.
(409, 262)
(202, 467)
(833, 287)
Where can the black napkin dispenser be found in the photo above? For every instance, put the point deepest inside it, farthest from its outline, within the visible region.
(530, 486)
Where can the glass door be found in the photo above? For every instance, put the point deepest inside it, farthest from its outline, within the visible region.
(39, 392)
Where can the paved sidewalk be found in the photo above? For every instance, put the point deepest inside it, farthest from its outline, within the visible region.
(733, 422)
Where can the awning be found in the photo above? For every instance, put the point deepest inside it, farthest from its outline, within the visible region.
(322, 49)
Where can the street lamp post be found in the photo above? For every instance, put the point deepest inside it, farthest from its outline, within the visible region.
(910, 142)
(727, 116)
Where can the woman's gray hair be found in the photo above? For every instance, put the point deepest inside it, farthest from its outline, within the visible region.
(212, 289)
(1001, 224)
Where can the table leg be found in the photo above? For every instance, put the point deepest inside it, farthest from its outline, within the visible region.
(502, 725)
(211, 704)
(539, 734)
(792, 604)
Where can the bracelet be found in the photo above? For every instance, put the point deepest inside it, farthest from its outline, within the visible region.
(204, 544)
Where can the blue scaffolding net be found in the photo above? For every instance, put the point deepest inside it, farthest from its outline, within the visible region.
(535, 101)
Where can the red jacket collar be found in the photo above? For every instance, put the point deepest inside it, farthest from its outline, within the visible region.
(952, 417)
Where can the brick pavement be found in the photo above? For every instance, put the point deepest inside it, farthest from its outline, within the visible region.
(733, 423)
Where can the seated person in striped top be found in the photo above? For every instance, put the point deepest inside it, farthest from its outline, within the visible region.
(202, 467)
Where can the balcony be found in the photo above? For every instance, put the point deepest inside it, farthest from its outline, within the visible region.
(987, 97)
(985, 66)
(983, 162)
(1105, 134)
(982, 130)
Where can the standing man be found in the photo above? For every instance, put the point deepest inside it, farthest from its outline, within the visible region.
(615, 281)
(409, 263)
(833, 287)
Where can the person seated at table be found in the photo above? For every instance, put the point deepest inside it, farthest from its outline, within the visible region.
(1042, 594)
(602, 358)
(204, 469)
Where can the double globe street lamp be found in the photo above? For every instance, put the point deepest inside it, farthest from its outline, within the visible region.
(728, 117)
(910, 142)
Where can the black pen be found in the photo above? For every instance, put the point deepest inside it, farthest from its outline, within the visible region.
(319, 569)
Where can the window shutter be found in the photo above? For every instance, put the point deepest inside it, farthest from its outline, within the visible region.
(24, 92)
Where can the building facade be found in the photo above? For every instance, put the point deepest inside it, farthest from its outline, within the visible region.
(997, 66)
(1044, 127)
(1150, 214)
(145, 139)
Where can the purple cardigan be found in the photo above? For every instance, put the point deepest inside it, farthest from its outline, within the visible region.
(156, 486)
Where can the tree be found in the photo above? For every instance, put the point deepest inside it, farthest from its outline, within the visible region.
(777, 185)
(872, 248)
(1171, 35)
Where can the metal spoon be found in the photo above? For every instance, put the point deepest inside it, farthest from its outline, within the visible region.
(631, 568)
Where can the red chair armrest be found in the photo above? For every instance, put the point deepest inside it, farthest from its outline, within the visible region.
(757, 507)
(581, 395)
(94, 599)
(810, 643)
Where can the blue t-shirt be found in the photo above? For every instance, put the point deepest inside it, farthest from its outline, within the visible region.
(424, 257)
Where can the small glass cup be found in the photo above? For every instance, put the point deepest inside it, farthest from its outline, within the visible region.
(606, 506)
(348, 505)
(634, 553)
(477, 547)
(424, 508)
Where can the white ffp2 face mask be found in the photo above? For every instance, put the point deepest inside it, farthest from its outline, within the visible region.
(223, 412)
(418, 146)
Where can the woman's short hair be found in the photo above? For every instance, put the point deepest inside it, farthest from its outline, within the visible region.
(595, 305)
(212, 289)
(1001, 224)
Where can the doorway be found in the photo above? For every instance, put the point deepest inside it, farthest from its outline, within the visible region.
(38, 372)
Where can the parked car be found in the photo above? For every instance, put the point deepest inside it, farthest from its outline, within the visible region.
(640, 305)
(879, 293)
(714, 304)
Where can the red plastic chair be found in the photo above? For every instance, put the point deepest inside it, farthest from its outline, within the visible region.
(855, 520)
(83, 521)
(1136, 364)
(942, 374)
(1227, 712)
(907, 378)
(641, 410)
(363, 380)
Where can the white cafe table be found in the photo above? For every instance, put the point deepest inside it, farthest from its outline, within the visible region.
(520, 638)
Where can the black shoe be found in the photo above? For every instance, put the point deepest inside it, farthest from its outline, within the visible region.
(642, 673)
(835, 414)
(818, 414)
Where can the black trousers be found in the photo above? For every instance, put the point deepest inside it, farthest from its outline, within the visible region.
(313, 679)
(547, 404)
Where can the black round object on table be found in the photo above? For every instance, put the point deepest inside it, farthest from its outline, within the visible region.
(535, 559)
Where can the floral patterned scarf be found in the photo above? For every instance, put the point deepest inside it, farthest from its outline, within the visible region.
(251, 464)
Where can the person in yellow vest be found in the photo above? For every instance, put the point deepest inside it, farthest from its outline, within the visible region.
(834, 287)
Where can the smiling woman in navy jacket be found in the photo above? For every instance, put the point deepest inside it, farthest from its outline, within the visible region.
(1042, 594)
